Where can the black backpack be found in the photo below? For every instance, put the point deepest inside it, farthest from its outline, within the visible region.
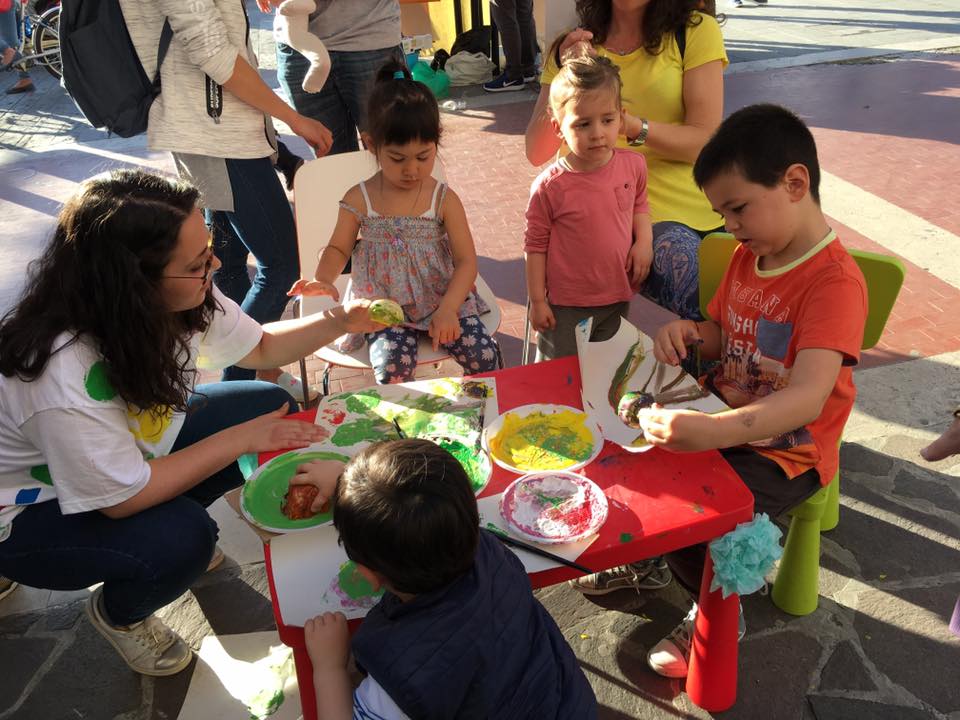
(101, 70)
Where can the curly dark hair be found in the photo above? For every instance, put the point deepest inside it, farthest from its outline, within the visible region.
(100, 278)
(662, 17)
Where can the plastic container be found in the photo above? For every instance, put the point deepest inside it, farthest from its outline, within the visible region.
(436, 80)
(412, 59)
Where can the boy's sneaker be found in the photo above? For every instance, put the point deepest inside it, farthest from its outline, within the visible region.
(650, 574)
(7, 586)
(671, 656)
(504, 84)
(149, 647)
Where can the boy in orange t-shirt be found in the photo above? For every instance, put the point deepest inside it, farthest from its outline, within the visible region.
(787, 327)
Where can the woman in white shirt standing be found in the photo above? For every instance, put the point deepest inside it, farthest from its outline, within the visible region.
(214, 114)
(109, 454)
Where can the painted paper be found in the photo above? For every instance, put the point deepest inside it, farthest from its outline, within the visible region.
(625, 364)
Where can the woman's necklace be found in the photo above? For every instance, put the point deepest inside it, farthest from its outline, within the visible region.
(622, 53)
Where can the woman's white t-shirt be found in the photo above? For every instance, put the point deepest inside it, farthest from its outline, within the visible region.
(68, 436)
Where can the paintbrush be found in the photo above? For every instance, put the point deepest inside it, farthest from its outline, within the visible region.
(396, 424)
(507, 540)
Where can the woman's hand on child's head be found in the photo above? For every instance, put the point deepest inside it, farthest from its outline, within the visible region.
(678, 430)
(670, 345)
(314, 287)
(444, 327)
(323, 475)
(328, 641)
(541, 316)
(576, 44)
(314, 132)
(272, 431)
(639, 260)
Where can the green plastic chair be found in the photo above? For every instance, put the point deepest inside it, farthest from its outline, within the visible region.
(797, 587)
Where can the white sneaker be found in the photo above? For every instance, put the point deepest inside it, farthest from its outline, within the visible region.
(7, 586)
(294, 386)
(149, 647)
(671, 656)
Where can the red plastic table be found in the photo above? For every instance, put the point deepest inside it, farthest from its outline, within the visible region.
(659, 502)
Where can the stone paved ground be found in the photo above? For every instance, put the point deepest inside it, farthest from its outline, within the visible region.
(877, 647)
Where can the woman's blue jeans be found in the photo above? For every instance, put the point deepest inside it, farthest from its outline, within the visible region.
(261, 224)
(147, 560)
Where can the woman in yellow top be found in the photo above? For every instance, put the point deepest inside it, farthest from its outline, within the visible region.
(673, 102)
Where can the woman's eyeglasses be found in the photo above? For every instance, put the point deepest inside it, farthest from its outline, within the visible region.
(207, 266)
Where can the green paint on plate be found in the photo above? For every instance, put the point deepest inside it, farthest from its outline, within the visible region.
(41, 473)
(626, 537)
(263, 495)
(353, 584)
(97, 384)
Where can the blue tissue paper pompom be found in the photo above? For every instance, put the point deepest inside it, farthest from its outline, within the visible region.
(743, 556)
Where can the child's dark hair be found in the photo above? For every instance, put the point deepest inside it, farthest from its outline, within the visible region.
(406, 509)
(400, 109)
(760, 142)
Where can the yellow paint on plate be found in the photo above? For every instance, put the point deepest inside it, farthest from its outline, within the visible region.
(540, 441)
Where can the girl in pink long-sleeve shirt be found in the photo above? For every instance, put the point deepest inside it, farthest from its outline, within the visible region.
(588, 241)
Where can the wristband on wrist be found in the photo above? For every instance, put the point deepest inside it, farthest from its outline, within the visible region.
(641, 138)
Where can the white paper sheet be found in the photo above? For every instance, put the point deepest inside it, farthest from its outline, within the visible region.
(598, 363)
(232, 669)
(489, 508)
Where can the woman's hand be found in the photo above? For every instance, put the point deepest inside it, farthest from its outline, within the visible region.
(678, 430)
(323, 475)
(576, 44)
(541, 316)
(444, 327)
(314, 132)
(314, 287)
(328, 641)
(670, 345)
(272, 432)
(639, 260)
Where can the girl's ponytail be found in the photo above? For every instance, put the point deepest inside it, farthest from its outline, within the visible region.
(401, 109)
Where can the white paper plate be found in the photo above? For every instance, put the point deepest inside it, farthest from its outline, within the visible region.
(493, 430)
(554, 507)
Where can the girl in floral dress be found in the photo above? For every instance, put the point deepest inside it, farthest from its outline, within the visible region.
(407, 238)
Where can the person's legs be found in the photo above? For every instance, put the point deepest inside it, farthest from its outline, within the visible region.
(474, 350)
(505, 15)
(327, 106)
(673, 282)
(393, 354)
(606, 321)
(263, 223)
(561, 341)
(9, 41)
(528, 39)
(355, 73)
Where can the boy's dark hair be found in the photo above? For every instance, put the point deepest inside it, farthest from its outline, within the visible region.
(400, 109)
(760, 142)
(406, 509)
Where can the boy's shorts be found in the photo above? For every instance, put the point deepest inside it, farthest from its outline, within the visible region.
(561, 341)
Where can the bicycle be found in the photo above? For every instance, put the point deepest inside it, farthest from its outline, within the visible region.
(39, 30)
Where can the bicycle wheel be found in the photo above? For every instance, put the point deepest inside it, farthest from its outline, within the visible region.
(46, 41)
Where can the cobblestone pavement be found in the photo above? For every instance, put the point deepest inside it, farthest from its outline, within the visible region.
(878, 646)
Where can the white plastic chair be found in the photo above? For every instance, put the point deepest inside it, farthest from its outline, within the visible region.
(317, 190)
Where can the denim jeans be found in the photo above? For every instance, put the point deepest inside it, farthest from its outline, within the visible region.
(518, 35)
(149, 559)
(9, 35)
(341, 104)
(261, 224)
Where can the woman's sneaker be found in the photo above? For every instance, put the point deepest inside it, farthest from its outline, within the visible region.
(650, 574)
(7, 586)
(149, 647)
(671, 656)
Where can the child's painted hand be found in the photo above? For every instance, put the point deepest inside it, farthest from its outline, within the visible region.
(678, 430)
(314, 287)
(639, 260)
(541, 316)
(322, 474)
(444, 327)
(328, 641)
(670, 345)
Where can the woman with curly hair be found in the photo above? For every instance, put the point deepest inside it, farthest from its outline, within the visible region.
(109, 453)
(671, 59)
